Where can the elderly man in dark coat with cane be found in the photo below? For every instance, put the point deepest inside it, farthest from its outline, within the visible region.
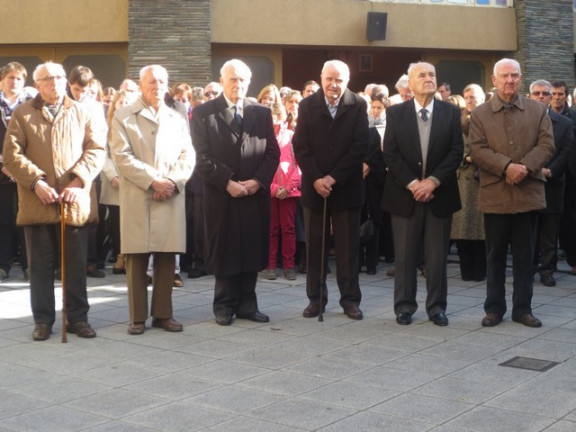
(236, 156)
(330, 144)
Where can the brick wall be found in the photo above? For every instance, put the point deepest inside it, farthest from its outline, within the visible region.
(174, 34)
(545, 40)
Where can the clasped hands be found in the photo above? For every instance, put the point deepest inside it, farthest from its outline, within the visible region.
(323, 186)
(239, 189)
(515, 173)
(163, 189)
(48, 194)
(281, 193)
(422, 190)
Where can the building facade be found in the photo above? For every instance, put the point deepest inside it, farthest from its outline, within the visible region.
(287, 42)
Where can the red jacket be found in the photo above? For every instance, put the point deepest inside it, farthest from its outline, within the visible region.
(288, 173)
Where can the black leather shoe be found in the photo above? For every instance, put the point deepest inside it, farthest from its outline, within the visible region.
(312, 310)
(528, 320)
(196, 273)
(224, 320)
(353, 312)
(93, 271)
(548, 280)
(257, 316)
(371, 271)
(440, 319)
(404, 318)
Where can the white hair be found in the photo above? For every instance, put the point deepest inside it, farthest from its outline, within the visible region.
(153, 67)
(503, 61)
(402, 81)
(53, 68)
(542, 83)
(237, 65)
(338, 65)
(412, 66)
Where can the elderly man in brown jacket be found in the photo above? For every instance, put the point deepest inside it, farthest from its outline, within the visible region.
(54, 148)
(510, 140)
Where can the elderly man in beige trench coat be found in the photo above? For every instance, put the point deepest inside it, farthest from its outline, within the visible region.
(152, 149)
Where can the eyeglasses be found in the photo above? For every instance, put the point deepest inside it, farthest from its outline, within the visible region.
(211, 93)
(50, 78)
(538, 93)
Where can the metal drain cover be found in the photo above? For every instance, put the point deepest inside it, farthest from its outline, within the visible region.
(529, 364)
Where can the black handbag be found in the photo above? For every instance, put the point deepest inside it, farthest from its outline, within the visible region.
(367, 230)
(368, 227)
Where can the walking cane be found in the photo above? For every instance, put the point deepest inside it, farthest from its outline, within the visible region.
(322, 281)
(63, 266)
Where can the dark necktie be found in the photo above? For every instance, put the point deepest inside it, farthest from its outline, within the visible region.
(237, 116)
(424, 114)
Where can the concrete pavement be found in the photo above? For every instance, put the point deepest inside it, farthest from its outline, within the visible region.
(293, 374)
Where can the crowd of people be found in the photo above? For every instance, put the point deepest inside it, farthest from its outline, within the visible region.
(163, 180)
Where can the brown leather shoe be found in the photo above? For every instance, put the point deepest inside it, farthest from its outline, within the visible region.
(491, 319)
(312, 310)
(353, 312)
(168, 324)
(178, 281)
(391, 272)
(573, 271)
(81, 329)
(528, 320)
(136, 328)
(119, 265)
(41, 332)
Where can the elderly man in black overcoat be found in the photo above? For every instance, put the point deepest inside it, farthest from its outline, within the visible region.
(236, 156)
(330, 144)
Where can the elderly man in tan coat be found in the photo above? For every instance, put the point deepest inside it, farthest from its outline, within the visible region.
(152, 149)
(54, 147)
(511, 140)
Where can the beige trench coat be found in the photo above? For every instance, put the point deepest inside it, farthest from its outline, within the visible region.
(145, 147)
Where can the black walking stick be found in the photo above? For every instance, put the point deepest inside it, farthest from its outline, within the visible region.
(322, 281)
(63, 266)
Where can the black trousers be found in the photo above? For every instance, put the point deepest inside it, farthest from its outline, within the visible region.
(518, 230)
(43, 246)
(10, 236)
(345, 230)
(235, 294)
(472, 254)
(546, 252)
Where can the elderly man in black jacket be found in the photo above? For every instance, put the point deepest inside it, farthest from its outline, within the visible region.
(555, 173)
(330, 144)
(422, 149)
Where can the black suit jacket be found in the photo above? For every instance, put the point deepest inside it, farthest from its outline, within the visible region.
(403, 157)
(336, 147)
(236, 229)
(563, 139)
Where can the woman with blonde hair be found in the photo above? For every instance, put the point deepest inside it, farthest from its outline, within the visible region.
(110, 195)
(291, 103)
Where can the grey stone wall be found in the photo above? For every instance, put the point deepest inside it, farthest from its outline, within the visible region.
(545, 40)
(174, 34)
